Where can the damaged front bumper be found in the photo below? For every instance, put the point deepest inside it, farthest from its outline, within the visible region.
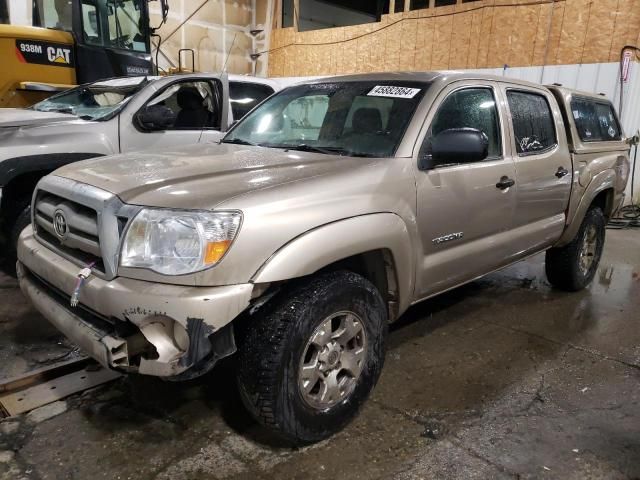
(133, 325)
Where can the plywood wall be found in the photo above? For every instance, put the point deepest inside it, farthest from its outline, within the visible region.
(482, 34)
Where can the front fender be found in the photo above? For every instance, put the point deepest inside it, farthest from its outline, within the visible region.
(600, 182)
(336, 241)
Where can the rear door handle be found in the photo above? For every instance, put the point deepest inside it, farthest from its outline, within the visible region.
(562, 172)
(505, 182)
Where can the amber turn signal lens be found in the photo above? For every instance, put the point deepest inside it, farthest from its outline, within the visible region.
(215, 251)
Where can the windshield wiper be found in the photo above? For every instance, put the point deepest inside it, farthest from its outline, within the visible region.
(238, 141)
(303, 147)
(324, 149)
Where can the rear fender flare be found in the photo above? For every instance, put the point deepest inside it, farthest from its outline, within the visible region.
(600, 182)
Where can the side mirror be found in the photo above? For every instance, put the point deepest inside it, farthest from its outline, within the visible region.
(457, 145)
(156, 117)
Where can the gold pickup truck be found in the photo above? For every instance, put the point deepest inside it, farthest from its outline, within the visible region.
(314, 223)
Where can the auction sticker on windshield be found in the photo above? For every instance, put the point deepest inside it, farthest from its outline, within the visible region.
(395, 92)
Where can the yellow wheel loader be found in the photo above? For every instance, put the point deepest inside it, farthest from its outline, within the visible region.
(73, 42)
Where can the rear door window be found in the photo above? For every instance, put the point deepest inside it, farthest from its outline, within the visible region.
(595, 121)
(533, 124)
(245, 96)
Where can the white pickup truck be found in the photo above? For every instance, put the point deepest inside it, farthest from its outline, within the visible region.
(113, 116)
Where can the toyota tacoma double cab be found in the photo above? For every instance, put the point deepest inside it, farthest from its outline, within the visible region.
(316, 222)
(113, 116)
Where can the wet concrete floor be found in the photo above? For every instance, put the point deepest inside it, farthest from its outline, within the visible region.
(502, 378)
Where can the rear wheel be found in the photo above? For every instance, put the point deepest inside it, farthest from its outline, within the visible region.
(311, 359)
(573, 266)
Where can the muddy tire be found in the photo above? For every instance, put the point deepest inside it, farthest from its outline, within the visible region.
(309, 360)
(573, 266)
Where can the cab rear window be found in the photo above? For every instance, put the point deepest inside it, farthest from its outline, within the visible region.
(595, 120)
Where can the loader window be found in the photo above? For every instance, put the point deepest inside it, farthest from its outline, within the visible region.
(4, 11)
(90, 24)
(114, 23)
(54, 14)
(126, 29)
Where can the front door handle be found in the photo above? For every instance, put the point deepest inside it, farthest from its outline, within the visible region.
(505, 182)
(562, 172)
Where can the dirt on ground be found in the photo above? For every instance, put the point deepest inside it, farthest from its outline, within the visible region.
(502, 378)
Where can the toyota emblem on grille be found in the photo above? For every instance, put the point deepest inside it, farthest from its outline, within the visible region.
(60, 224)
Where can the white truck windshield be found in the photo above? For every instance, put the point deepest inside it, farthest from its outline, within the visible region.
(95, 101)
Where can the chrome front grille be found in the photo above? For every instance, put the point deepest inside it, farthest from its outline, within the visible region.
(80, 222)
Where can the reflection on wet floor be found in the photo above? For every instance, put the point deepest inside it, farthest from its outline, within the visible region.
(503, 377)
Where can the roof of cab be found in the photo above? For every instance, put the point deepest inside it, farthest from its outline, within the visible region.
(444, 76)
(570, 92)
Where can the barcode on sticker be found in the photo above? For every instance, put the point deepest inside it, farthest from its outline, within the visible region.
(395, 92)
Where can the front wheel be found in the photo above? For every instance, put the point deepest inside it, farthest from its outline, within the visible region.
(573, 266)
(311, 359)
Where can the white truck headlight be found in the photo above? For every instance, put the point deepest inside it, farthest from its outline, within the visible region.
(175, 242)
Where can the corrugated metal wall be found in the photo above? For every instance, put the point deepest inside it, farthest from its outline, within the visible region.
(595, 78)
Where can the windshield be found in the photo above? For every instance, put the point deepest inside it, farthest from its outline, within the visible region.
(94, 101)
(118, 24)
(54, 14)
(126, 22)
(346, 118)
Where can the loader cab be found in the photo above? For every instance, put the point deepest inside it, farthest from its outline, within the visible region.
(112, 37)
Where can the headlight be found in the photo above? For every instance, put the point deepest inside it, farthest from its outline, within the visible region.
(175, 242)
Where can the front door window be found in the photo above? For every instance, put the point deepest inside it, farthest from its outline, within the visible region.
(469, 108)
(191, 105)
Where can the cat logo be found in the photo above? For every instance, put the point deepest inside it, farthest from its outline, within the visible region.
(44, 53)
(59, 55)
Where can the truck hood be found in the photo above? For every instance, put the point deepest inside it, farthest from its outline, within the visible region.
(21, 117)
(203, 176)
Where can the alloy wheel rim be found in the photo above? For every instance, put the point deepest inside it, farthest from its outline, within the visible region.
(332, 360)
(588, 250)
